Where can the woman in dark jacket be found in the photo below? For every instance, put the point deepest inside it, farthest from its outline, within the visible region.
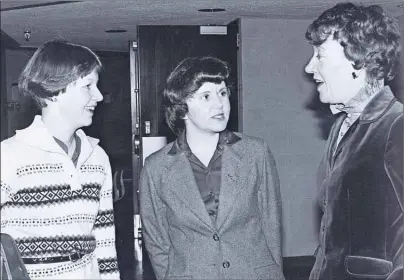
(360, 178)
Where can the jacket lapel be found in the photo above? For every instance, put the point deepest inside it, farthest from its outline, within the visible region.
(233, 176)
(376, 107)
(332, 140)
(181, 182)
(344, 140)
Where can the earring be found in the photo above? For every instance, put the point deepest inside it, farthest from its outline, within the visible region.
(354, 75)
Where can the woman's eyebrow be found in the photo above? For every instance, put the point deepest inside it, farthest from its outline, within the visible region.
(90, 80)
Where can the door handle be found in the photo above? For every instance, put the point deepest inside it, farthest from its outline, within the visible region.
(136, 145)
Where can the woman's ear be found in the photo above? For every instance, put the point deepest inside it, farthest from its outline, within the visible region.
(358, 73)
(49, 100)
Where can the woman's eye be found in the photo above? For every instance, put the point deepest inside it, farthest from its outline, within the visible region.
(88, 86)
(223, 93)
(205, 96)
(318, 56)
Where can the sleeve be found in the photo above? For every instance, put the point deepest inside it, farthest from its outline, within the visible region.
(104, 231)
(270, 206)
(8, 174)
(154, 223)
(393, 163)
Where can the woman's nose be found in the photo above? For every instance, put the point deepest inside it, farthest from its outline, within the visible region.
(97, 95)
(309, 67)
(218, 102)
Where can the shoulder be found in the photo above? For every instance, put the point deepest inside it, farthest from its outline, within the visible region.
(250, 142)
(396, 127)
(253, 148)
(393, 119)
(396, 110)
(100, 152)
(13, 157)
(90, 143)
(10, 147)
(8, 143)
(159, 156)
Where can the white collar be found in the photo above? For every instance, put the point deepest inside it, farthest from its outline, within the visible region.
(37, 135)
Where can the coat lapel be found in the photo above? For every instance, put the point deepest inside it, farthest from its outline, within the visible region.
(344, 140)
(181, 181)
(332, 140)
(233, 176)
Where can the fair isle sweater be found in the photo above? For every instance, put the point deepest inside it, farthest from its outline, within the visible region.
(52, 207)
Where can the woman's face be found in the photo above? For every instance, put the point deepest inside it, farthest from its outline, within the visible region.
(332, 72)
(208, 109)
(77, 104)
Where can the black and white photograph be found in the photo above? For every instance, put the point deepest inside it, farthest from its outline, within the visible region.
(202, 139)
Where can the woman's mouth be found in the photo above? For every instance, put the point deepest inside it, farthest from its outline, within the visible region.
(218, 116)
(90, 108)
(319, 83)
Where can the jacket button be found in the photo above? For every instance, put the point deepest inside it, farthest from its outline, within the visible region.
(226, 264)
(216, 237)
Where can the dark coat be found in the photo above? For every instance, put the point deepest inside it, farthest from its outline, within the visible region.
(180, 237)
(361, 234)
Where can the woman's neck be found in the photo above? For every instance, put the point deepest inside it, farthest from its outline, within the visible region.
(366, 92)
(198, 141)
(202, 145)
(58, 128)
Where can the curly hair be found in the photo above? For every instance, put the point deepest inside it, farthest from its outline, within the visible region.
(53, 66)
(369, 37)
(184, 81)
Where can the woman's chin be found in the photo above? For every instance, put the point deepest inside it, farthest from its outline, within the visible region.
(324, 97)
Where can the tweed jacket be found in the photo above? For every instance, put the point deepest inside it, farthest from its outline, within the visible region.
(180, 237)
(361, 186)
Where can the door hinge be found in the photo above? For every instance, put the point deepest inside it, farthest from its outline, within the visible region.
(238, 40)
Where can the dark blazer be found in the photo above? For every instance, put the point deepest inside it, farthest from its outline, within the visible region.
(361, 235)
(179, 235)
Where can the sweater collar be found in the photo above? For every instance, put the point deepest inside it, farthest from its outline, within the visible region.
(37, 135)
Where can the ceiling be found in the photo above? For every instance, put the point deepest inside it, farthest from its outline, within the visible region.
(85, 22)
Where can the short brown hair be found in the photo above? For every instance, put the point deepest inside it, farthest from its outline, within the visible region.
(53, 66)
(185, 80)
(369, 37)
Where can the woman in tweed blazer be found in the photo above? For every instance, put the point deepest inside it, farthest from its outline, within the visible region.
(210, 201)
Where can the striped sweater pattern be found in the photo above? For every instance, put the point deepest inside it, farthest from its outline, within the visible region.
(53, 208)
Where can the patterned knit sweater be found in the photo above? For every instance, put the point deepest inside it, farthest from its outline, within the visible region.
(52, 207)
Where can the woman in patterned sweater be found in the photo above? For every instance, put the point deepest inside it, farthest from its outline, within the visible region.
(56, 187)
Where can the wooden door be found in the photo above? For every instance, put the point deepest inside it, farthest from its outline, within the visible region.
(161, 48)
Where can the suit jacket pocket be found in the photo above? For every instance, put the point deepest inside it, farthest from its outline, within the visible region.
(367, 267)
